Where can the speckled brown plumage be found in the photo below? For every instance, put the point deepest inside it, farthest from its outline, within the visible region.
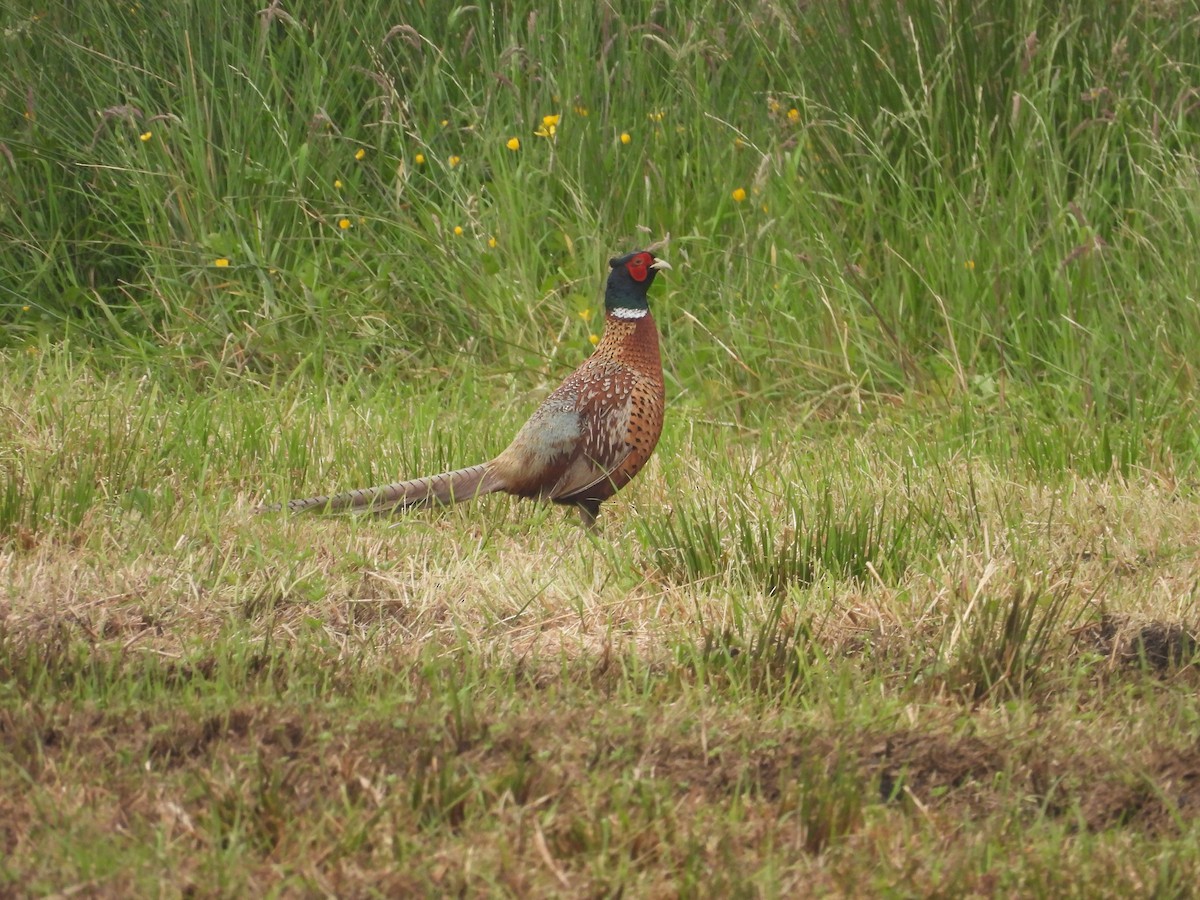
(586, 441)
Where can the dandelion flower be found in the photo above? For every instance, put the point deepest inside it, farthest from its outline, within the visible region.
(458, 231)
(221, 262)
(419, 159)
(344, 224)
(513, 144)
(739, 194)
(625, 138)
(454, 161)
(146, 135)
(360, 154)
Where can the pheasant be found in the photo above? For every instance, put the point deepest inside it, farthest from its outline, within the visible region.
(586, 441)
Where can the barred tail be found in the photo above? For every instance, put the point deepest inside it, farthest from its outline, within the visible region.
(433, 490)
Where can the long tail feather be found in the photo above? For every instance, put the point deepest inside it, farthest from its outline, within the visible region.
(443, 489)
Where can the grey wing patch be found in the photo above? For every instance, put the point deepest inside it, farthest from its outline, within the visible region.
(602, 451)
(551, 434)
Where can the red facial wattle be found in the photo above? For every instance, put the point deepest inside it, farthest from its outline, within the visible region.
(639, 266)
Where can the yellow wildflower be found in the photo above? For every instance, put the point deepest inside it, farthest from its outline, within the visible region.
(550, 121)
(594, 338)
(337, 184)
(419, 159)
(146, 135)
(344, 224)
(221, 263)
(969, 265)
(586, 315)
(793, 115)
(625, 138)
(739, 194)
(25, 308)
(360, 153)
(454, 161)
(581, 110)
(458, 231)
(513, 144)
(492, 242)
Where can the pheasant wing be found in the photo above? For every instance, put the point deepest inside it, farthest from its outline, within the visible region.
(605, 405)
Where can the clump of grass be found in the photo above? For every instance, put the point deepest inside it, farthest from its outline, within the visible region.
(787, 541)
(775, 650)
(1003, 646)
(829, 802)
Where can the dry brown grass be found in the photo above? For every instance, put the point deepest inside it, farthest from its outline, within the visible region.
(516, 579)
(487, 699)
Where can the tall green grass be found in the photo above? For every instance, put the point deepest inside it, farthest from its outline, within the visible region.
(934, 196)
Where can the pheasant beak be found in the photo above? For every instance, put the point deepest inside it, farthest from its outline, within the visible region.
(660, 264)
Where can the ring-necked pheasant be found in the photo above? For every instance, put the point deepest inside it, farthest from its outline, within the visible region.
(585, 442)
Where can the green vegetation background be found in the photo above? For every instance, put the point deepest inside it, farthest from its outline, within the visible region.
(953, 198)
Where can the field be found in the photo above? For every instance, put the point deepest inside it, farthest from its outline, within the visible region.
(905, 603)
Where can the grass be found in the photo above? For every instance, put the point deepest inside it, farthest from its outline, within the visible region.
(905, 603)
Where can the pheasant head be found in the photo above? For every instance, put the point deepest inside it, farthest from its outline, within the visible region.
(628, 282)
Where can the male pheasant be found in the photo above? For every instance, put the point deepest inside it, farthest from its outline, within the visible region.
(586, 441)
